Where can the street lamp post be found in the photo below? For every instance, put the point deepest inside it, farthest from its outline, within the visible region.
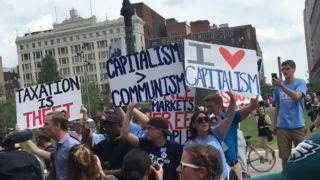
(85, 64)
(127, 12)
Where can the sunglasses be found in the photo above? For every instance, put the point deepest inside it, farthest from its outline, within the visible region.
(202, 120)
(183, 165)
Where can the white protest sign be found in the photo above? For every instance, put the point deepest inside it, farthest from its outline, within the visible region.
(218, 67)
(177, 110)
(240, 99)
(33, 103)
(145, 75)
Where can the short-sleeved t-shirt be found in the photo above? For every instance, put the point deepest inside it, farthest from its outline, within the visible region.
(291, 112)
(168, 155)
(231, 139)
(112, 152)
(216, 140)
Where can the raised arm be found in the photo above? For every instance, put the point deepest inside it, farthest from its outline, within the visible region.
(244, 112)
(294, 94)
(140, 117)
(125, 129)
(225, 124)
(37, 151)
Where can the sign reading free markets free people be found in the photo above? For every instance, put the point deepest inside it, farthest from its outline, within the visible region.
(145, 75)
(217, 67)
(33, 103)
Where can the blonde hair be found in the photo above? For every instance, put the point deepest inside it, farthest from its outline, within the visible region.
(81, 164)
(208, 157)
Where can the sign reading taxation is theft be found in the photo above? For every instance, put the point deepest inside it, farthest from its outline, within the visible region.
(145, 75)
(177, 109)
(34, 102)
(218, 67)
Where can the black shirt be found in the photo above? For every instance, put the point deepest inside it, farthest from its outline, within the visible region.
(112, 152)
(168, 155)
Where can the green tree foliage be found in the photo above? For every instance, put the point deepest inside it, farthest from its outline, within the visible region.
(96, 98)
(8, 112)
(266, 90)
(49, 70)
(314, 84)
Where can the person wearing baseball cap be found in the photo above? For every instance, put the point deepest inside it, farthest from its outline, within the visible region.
(302, 164)
(161, 151)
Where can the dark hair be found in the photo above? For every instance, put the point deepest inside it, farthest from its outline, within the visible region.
(42, 135)
(135, 164)
(59, 118)
(216, 98)
(290, 63)
(206, 156)
(81, 164)
(193, 118)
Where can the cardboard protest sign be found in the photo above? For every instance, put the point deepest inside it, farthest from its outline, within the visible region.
(145, 75)
(218, 67)
(226, 99)
(33, 103)
(177, 110)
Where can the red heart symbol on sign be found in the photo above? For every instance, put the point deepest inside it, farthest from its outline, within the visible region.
(232, 60)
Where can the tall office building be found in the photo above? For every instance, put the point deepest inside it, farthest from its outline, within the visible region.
(80, 46)
(312, 33)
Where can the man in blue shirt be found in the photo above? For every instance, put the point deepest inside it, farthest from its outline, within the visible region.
(289, 112)
(214, 105)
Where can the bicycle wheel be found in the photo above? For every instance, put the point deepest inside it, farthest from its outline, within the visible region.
(261, 162)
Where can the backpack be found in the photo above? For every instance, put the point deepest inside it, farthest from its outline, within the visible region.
(19, 165)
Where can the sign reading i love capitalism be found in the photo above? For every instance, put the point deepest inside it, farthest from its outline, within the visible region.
(217, 67)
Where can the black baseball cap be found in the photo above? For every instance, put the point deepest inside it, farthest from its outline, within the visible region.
(160, 123)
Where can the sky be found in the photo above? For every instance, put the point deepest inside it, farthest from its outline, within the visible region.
(279, 24)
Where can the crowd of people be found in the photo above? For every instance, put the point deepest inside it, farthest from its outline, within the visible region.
(128, 144)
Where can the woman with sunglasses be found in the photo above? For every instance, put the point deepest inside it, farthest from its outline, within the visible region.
(202, 133)
(200, 162)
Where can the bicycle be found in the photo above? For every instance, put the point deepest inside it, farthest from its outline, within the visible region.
(256, 158)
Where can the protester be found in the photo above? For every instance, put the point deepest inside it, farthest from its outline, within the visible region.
(201, 132)
(137, 165)
(112, 150)
(200, 162)
(263, 123)
(56, 126)
(289, 112)
(160, 150)
(302, 164)
(43, 141)
(214, 104)
(84, 165)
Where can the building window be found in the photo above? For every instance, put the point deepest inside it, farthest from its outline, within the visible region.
(21, 47)
(90, 57)
(118, 30)
(102, 44)
(63, 50)
(37, 55)
(27, 46)
(46, 43)
(97, 34)
(58, 41)
(33, 45)
(37, 65)
(92, 67)
(39, 44)
(102, 54)
(77, 69)
(84, 36)
(104, 33)
(25, 57)
(110, 31)
(64, 61)
(90, 35)
(50, 52)
(65, 72)
(26, 67)
(64, 39)
(76, 59)
(89, 46)
(70, 38)
(77, 37)
(102, 65)
(75, 48)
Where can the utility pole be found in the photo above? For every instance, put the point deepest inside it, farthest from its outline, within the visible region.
(127, 12)
(279, 67)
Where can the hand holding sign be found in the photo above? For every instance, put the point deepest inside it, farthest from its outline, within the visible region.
(254, 102)
(232, 96)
